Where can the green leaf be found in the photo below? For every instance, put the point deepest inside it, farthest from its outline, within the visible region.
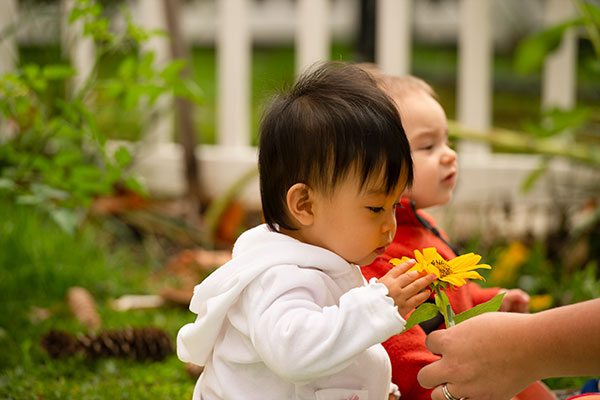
(532, 51)
(28, 199)
(113, 88)
(65, 219)
(424, 312)
(67, 158)
(188, 90)
(131, 98)
(488, 306)
(31, 71)
(86, 173)
(122, 156)
(57, 72)
(127, 68)
(136, 186)
(45, 192)
(145, 67)
(534, 175)
(562, 120)
(592, 12)
(7, 184)
(171, 71)
(69, 112)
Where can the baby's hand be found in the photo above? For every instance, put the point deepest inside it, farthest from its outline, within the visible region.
(515, 300)
(406, 288)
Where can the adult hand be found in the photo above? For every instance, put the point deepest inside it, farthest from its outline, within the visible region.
(515, 300)
(482, 359)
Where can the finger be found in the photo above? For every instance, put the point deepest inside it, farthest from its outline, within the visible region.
(432, 375)
(437, 393)
(415, 300)
(452, 389)
(405, 279)
(417, 284)
(433, 341)
(402, 268)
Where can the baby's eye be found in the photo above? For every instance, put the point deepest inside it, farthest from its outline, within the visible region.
(376, 210)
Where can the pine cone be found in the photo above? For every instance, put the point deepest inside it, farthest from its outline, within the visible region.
(59, 344)
(135, 343)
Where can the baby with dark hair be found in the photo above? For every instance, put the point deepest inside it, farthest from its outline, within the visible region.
(290, 316)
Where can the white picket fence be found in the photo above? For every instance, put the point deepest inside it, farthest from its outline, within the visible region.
(488, 181)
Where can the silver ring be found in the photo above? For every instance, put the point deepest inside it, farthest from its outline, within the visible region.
(447, 394)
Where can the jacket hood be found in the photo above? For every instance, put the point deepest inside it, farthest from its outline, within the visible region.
(254, 252)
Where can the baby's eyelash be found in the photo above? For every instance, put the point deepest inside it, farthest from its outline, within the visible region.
(376, 209)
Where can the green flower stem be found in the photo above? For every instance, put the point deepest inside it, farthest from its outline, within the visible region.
(444, 305)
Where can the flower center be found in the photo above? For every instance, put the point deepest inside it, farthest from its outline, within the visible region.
(443, 267)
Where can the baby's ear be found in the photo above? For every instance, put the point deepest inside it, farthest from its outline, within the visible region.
(300, 202)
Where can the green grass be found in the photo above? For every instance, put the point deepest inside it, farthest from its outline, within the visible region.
(113, 379)
(38, 263)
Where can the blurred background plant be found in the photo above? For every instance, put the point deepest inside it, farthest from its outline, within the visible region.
(52, 153)
(562, 267)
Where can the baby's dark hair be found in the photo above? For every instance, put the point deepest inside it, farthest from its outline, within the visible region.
(332, 120)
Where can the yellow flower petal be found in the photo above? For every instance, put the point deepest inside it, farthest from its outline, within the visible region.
(431, 254)
(419, 257)
(455, 271)
(454, 280)
(464, 262)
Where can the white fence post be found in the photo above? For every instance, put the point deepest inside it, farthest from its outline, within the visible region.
(233, 73)
(474, 88)
(8, 46)
(79, 49)
(393, 36)
(9, 53)
(159, 126)
(312, 33)
(559, 76)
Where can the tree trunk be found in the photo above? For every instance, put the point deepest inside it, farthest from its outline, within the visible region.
(184, 109)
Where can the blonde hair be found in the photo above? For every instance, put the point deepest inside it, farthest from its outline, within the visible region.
(399, 87)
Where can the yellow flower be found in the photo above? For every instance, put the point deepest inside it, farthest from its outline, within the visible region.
(540, 302)
(509, 262)
(454, 271)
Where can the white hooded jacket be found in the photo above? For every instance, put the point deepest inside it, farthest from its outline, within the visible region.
(287, 320)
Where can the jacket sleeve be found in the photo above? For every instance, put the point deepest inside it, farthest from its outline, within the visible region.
(408, 355)
(299, 338)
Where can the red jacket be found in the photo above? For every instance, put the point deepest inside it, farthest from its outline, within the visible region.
(416, 230)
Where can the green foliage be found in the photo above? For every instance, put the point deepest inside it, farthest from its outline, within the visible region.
(424, 312)
(491, 305)
(38, 264)
(530, 56)
(532, 51)
(52, 154)
(442, 305)
(552, 274)
(568, 134)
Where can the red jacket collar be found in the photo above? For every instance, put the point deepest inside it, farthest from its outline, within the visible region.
(406, 213)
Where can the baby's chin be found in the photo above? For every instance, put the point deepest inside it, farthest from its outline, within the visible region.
(432, 202)
(365, 261)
